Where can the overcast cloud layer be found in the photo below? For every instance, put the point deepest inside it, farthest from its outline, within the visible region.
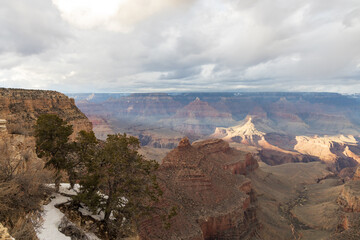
(180, 45)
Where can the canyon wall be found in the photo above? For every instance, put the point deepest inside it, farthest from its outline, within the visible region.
(22, 107)
(207, 183)
(199, 113)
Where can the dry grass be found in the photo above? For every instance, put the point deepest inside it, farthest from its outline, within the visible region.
(22, 191)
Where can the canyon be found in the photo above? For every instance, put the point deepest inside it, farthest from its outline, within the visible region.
(207, 183)
(306, 145)
(222, 192)
(235, 165)
(283, 127)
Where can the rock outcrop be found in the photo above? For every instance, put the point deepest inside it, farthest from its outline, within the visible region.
(207, 183)
(339, 151)
(349, 198)
(244, 133)
(356, 176)
(3, 125)
(4, 234)
(22, 107)
(322, 146)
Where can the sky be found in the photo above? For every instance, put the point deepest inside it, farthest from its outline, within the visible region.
(180, 45)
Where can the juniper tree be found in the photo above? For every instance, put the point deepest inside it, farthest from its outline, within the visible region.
(52, 143)
(120, 183)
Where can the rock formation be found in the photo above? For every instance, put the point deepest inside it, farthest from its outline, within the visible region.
(322, 146)
(4, 235)
(22, 107)
(3, 125)
(101, 127)
(198, 118)
(339, 152)
(207, 183)
(356, 176)
(349, 198)
(245, 133)
(294, 114)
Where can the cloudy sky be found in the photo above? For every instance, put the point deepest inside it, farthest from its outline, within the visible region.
(180, 45)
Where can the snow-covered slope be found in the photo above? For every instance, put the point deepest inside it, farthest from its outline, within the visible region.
(52, 218)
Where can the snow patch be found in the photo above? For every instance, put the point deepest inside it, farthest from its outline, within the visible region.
(52, 218)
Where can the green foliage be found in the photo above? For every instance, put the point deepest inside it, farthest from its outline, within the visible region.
(120, 183)
(86, 147)
(52, 143)
(114, 178)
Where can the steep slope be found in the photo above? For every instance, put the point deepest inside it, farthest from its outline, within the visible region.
(334, 150)
(247, 133)
(22, 175)
(339, 152)
(207, 184)
(22, 189)
(198, 118)
(22, 107)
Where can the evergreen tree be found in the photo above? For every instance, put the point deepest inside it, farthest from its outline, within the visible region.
(120, 183)
(52, 142)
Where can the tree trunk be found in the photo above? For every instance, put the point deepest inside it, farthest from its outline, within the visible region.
(57, 181)
(72, 180)
(107, 211)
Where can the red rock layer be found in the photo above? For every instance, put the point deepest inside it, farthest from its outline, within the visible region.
(213, 199)
(22, 107)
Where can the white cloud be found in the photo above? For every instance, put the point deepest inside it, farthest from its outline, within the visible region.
(113, 15)
(212, 45)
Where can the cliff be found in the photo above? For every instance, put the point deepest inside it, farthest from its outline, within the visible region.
(349, 198)
(207, 183)
(198, 118)
(22, 189)
(22, 107)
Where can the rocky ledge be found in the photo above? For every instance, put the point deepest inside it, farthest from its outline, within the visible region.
(22, 107)
(214, 199)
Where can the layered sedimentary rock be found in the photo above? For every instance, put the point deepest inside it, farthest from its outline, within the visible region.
(18, 151)
(274, 149)
(207, 183)
(339, 151)
(349, 201)
(101, 127)
(291, 113)
(198, 118)
(245, 133)
(22, 107)
(322, 146)
(349, 198)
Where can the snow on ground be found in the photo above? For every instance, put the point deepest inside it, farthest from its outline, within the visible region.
(52, 217)
(86, 212)
(65, 188)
